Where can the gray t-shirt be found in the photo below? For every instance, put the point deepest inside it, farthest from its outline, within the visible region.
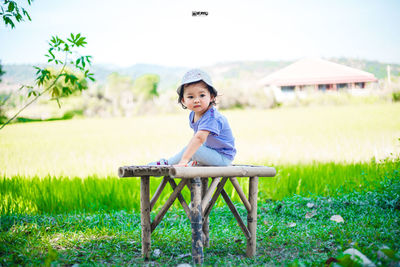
(220, 137)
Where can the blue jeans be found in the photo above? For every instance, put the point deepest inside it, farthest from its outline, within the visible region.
(204, 156)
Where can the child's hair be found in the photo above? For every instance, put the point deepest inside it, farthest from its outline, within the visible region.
(210, 89)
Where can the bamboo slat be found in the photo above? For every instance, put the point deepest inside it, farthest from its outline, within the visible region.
(206, 222)
(210, 205)
(196, 221)
(167, 205)
(158, 192)
(236, 214)
(207, 196)
(143, 170)
(240, 192)
(180, 197)
(226, 171)
(201, 171)
(145, 215)
(252, 217)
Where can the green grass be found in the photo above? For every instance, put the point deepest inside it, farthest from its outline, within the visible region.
(85, 147)
(371, 220)
(55, 195)
(61, 200)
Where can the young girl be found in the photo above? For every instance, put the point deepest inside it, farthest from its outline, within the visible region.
(212, 142)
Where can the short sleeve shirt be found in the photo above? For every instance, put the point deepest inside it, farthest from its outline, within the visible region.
(220, 137)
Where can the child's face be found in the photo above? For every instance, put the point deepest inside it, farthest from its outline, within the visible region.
(196, 97)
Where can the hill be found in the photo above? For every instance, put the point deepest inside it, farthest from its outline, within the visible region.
(170, 76)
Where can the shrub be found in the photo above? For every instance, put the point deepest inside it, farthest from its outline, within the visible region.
(396, 96)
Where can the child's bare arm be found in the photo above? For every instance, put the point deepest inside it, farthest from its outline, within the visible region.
(197, 140)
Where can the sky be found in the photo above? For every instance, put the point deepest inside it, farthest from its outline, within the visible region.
(124, 33)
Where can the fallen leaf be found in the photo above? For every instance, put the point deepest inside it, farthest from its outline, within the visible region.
(184, 256)
(337, 218)
(156, 253)
(357, 255)
(310, 205)
(310, 215)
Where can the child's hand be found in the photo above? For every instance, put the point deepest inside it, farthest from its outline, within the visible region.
(182, 163)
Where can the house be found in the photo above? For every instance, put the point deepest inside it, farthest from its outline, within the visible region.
(315, 74)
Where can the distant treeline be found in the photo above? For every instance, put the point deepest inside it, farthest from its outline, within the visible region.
(170, 76)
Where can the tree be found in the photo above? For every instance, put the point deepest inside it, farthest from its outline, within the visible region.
(1, 71)
(117, 83)
(147, 85)
(47, 80)
(61, 88)
(10, 11)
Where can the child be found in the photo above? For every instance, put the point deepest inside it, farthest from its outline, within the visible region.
(212, 142)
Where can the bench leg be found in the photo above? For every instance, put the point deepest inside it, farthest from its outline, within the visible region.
(252, 217)
(145, 215)
(196, 221)
(206, 223)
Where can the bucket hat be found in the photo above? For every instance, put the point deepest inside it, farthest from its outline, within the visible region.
(195, 75)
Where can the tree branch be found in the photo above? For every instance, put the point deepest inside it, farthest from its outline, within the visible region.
(41, 93)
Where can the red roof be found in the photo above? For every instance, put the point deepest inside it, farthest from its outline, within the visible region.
(317, 71)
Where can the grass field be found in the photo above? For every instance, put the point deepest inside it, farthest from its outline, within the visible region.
(315, 150)
(285, 234)
(61, 201)
(282, 136)
(56, 195)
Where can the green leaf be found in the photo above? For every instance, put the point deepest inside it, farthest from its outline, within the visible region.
(26, 14)
(66, 47)
(51, 53)
(32, 92)
(66, 91)
(58, 102)
(53, 40)
(59, 41)
(73, 79)
(8, 21)
(81, 42)
(18, 17)
(43, 77)
(11, 6)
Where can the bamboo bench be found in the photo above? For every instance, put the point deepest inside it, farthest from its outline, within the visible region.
(203, 198)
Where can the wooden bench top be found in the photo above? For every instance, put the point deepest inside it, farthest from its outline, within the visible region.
(198, 171)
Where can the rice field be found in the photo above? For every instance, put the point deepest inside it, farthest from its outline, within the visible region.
(84, 147)
(71, 165)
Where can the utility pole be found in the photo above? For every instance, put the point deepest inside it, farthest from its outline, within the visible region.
(388, 78)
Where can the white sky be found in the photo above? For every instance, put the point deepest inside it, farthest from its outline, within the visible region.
(165, 32)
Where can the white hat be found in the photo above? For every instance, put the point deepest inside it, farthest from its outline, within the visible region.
(196, 75)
